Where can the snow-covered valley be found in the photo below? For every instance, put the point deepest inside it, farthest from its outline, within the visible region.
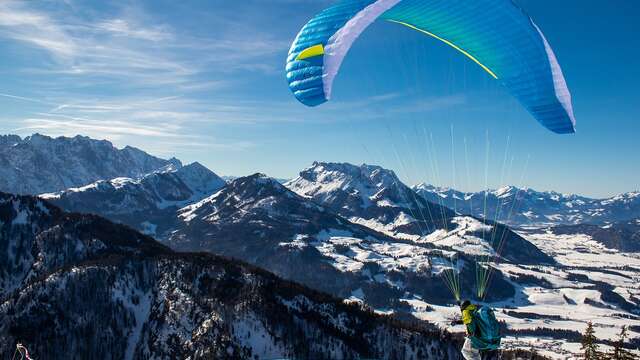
(590, 283)
(552, 305)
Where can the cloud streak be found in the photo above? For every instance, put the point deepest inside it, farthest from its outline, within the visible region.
(35, 29)
(131, 46)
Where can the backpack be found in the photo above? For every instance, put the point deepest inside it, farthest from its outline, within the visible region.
(488, 337)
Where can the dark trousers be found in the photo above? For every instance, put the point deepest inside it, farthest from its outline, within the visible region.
(490, 354)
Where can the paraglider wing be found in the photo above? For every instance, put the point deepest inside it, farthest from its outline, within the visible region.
(495, 34)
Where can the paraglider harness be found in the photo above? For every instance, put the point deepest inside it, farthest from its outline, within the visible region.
(482, 326)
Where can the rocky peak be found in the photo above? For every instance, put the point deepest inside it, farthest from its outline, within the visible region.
(369, 195)
(39, 164)
(246, 196)
(199, 178)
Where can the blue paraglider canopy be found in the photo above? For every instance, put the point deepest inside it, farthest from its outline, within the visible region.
(497, 35)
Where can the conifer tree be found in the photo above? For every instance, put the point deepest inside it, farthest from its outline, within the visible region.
(589, 344)
(619, 352)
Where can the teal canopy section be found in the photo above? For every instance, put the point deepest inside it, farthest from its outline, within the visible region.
(495, 34)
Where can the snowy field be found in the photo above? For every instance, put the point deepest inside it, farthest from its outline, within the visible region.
(562, 298)
(570, 302)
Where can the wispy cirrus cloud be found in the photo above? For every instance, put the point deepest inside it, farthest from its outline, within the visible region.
(131, 46)
(35, 29)
(102, 128)
(122, 27)
(24, 98)
(165, 139)
(140, 120)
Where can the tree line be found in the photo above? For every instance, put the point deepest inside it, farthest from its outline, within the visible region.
(591, 350)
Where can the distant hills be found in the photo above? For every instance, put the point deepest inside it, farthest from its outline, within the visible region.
(526, 207)
(40, 164)
(621, 235)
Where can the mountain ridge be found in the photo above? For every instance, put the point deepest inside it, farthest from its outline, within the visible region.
(374, 197)
(528, 207)
(148, 203)
(369, 195)
(153, 302)
(39, 164)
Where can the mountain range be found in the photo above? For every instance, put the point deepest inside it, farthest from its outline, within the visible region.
(39, 164)
(261, 221)
(148, 203)
(79, 286)
(375, 197)
(357, 233)
(523, 207)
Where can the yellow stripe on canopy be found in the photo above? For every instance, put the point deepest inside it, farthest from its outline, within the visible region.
(448, 43)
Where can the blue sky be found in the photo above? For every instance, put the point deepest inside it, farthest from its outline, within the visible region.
(204, 81)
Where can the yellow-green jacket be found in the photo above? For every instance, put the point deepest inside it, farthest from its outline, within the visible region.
(467, 319)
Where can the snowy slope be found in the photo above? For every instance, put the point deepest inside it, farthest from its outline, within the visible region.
(148, 204)
(554, 303)
(37, 238)
(258, 220)
(374, 197)
(371, 196)
(39, 164)
(98, 290)
(593, 283)
(527, 207)
(544, 288)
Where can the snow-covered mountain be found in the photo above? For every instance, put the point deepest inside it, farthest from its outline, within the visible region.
(230, 178)
(371, 196)
(39, 164)
(149, 203)
(357, 232)
(374, 197)
(79, 286)
(259, 220)
(38, 238)
(526, 207)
